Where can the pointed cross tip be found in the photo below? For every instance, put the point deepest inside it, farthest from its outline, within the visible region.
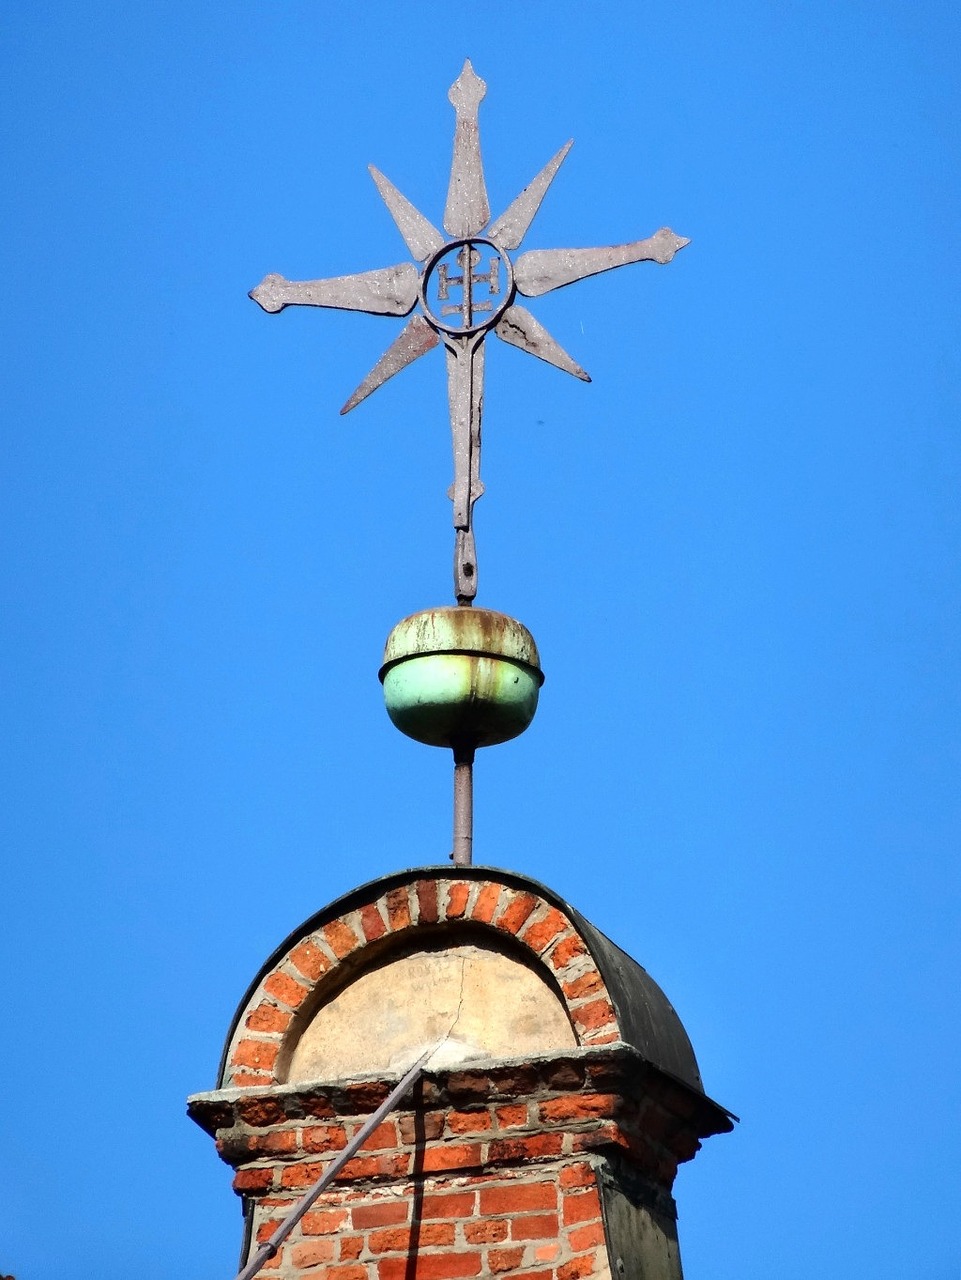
(468, 89)
(667, 243)
(264, 294)
(676, 242)
(379, 176)
(380, 180)
(356, 398)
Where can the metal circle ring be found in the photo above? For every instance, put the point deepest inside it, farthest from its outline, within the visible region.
(466, 331)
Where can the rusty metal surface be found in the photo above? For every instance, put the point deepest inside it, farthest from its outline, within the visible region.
(465, 289)
(521, 329)
(451, 629)
(465, 393)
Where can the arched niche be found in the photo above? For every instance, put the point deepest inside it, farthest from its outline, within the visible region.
(468, 998)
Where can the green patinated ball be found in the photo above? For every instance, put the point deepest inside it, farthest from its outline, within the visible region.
(461, 676)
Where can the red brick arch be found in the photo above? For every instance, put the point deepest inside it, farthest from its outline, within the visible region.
(532, 922)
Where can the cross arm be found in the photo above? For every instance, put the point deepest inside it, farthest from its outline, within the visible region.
(388, 291)
(415, 340)
(542, 270)
(518, 327)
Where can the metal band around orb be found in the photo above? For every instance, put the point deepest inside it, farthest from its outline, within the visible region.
(535, 672)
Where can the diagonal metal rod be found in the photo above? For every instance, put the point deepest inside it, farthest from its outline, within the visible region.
(270, 1247)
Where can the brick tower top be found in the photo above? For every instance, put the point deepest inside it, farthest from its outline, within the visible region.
(559, 1075)
(390, 956)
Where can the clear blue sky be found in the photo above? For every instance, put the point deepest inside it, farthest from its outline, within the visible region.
(738, 550)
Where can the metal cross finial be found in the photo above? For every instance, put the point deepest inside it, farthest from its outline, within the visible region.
(465, 289)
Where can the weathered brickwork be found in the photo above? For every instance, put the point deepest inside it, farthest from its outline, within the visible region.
(465, 1120)
(536, 926)
(486, 1171)
(506, 1168)
(544, 1225)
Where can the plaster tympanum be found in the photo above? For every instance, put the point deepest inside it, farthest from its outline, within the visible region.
(470, 1001)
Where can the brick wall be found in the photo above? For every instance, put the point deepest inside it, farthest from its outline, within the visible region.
(489, 1171)
(496, 1169)
(545, 1226)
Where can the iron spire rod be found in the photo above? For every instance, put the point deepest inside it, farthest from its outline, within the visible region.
(463, 850)
(464, 285)
(269, 1248)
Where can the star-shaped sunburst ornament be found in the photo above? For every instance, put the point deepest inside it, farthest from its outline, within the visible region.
(466, 286)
